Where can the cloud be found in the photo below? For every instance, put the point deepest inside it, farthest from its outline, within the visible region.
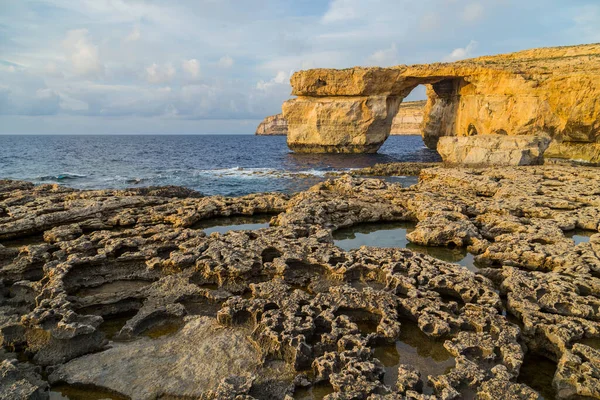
(462, 52)
(134, 35)
(42, 102)
(159, 74)
(83, 55)
(225, 62)
(280, 79)
(384, 58)
(473, 12)
(340, 10)
(69, 103)
(430, 22)
(192, 68)
(52, 69)
(130, 65)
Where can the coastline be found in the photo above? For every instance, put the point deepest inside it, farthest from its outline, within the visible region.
(70, 259)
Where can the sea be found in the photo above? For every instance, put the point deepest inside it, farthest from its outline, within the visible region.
(229, 165)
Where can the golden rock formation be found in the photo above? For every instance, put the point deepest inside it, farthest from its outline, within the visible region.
(273, 125)
(407, 121)
(554, 91)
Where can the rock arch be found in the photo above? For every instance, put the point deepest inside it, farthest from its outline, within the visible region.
(328, 117)
(541, 92)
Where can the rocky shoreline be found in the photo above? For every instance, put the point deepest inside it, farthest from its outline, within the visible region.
(121, 292)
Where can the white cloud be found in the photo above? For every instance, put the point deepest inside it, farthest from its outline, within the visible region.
(51, 69)
(384, 58)
(430, 22)
(225, 62)
(340, 10)
(280, 79)
(82, 53)
(70, 103)
(192, 68)
(131, 62)
(160, 74)
(462, 52)
(473, 12)
(134, 35)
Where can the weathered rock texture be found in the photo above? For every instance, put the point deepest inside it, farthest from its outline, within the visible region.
(122, 291)
(273, 125)
(554, 91)
(493, 149)
(407, 121)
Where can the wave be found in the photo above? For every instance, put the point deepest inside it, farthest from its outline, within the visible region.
(255, 177)
(61, 177)
(239, 172)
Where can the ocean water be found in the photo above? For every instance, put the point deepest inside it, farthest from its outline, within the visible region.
(229, 165)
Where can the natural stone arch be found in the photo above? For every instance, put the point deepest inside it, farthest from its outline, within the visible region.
(353, 121)
(552, 92)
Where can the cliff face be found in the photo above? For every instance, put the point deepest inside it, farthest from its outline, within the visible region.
(407, 121)
(273, 125)
(554, 91)
(409, 118)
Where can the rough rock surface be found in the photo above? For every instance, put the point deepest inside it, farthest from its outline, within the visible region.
(551, 91)
(186, 364)
(407, 121)
(273, 125)
(20, 381)
(489, 150)
(99, 286)
(390, 169)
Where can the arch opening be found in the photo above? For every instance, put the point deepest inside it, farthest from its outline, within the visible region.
(430, 110)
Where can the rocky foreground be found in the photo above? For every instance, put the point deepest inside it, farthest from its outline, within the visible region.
(120, 292)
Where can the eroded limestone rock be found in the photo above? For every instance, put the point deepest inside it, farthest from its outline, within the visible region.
(21, 381)
(524, 93)
(501, 150)
(186, 364)
(145, 286)
(273, 125)
(407, 121)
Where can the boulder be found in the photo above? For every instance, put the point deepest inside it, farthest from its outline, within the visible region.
(496, 150)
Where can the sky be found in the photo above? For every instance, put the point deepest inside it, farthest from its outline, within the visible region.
(220, 66)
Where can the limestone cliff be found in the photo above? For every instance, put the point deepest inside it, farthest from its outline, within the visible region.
(407, 121)
(553, 91)
(409, 118)
(274, 125)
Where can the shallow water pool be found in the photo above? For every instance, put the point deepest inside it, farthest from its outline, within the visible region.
(417, 349)
(223, 225)
(393, 234)
(580, 235)
(538, 373)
